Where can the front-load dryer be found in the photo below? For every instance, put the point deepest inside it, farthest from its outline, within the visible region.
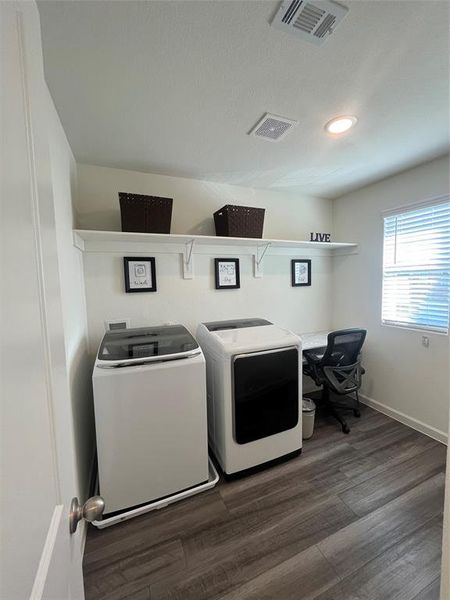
(254, 391)
(150, 415)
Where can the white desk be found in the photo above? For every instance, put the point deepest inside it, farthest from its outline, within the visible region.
(315, 339)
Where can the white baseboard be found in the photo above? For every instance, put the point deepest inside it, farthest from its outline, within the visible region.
(432, 432)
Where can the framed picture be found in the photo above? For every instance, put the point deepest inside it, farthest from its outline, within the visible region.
(227, 273)
(140, 274)
(301, 272)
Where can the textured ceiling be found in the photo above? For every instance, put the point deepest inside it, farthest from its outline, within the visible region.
(173, 88)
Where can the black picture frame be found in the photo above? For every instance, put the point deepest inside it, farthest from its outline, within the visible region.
(218, 275)
(304, 261)
(150, 268)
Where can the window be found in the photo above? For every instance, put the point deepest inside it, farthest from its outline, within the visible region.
(416, 267)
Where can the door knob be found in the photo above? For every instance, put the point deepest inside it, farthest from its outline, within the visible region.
(91, 510)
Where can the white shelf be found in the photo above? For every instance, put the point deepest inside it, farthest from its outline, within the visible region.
(87, 235)
(120, 241)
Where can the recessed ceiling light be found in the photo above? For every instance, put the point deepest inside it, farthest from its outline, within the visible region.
(340, 125)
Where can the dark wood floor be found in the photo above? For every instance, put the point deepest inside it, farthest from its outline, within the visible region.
(355, 517)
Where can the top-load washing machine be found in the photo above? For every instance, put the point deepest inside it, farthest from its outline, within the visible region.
(150, 415)
(254, 391)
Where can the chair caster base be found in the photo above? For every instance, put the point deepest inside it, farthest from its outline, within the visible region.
(345, 429)
(357, 413)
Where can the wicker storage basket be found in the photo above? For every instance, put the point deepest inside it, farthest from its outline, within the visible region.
(145, 214)
(239, 221)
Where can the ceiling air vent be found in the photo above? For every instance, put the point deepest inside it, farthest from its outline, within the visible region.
(313, 20)
(272, 128)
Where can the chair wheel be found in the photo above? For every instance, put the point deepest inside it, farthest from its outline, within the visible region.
(345, 428)
(357, 413)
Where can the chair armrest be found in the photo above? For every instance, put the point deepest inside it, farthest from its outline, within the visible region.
(312, 357)
(311, 365)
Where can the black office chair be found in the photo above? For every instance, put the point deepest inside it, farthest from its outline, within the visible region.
(338, 370)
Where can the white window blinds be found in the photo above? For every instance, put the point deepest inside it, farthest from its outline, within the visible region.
(416, 267)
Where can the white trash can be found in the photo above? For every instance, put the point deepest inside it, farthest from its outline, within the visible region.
(309, 414)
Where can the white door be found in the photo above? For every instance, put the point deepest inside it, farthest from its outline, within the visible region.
(39, 558)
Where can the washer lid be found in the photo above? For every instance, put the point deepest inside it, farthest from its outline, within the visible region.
(148, 343)
(251, 339)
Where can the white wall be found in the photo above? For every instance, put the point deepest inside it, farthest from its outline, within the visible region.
(289, 216)
(70, 260)
(402, 376)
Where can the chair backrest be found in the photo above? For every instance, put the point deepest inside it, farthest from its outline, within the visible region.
(344, 347)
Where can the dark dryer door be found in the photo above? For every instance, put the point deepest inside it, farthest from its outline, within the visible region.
(265, 393)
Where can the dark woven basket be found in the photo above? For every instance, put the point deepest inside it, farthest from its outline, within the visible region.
(145, 214)
(239, 221)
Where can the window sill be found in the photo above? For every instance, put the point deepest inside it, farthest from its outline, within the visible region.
(415, 329)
